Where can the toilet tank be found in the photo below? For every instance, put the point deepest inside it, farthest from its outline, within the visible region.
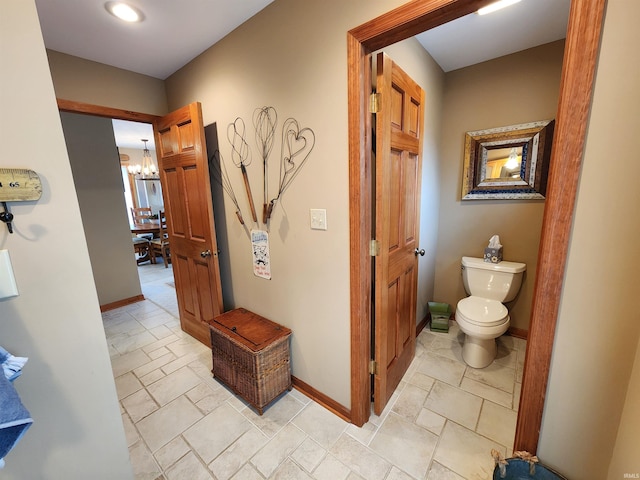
(497, 281)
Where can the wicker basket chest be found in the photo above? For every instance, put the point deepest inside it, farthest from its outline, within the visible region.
(251, 356)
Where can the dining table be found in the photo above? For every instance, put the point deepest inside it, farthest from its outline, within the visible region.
(148, 226)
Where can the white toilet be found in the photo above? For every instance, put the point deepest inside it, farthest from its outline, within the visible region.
(482, 316)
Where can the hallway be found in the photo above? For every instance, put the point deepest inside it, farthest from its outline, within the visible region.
(180, 423)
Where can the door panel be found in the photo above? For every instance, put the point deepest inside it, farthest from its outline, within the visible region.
(203, 282)
(172, 202)
(181, 274)
(395, 169)
(397, 200)
(410, 184)
(184, 173)
(195, 204)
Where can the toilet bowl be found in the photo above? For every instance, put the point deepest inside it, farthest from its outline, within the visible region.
(482, 317)
(482, 320)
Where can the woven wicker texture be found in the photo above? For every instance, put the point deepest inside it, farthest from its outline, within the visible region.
(258, 376)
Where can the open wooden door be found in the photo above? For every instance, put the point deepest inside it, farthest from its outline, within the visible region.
(399, 126)
(184, 173)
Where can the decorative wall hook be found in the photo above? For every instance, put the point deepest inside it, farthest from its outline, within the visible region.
(17, 185)
(6, 216)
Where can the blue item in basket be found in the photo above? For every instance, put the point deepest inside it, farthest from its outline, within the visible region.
(14, 418)
(518, 469)
(11, 366)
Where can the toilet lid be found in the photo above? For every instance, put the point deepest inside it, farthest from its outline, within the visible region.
(482, 311)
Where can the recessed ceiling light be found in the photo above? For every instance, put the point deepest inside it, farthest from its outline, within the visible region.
(496, 6)
(124, 11)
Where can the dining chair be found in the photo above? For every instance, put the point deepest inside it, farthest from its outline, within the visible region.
(141, 215)
(161, 245)
(141, 247)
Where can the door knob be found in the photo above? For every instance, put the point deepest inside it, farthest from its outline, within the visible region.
(205, 254)
(420, 252)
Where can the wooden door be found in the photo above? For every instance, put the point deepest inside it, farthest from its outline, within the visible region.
(184, 173)
(399, 126)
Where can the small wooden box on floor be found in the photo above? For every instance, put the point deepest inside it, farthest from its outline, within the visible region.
(251, 356)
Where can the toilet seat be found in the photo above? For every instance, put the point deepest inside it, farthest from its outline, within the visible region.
(482, 312)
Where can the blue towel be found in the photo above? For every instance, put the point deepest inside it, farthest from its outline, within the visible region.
(14, 418)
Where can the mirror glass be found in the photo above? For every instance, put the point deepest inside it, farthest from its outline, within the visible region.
(503, 163)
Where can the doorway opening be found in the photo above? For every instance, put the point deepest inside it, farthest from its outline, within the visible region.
(140, 190)
(107, 218)
(578, 71)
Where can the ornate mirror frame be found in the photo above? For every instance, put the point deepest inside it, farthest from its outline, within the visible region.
(526, 181)
(578, 72)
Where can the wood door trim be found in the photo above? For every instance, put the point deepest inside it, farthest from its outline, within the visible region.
(578, 71)
(101, 111)
(72, 106)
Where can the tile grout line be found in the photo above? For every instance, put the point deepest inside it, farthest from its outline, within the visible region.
(367, 439)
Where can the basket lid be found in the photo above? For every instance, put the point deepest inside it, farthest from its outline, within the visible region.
(249, 328)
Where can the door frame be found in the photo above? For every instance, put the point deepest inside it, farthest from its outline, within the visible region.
(100, 111)
(107, 112)
(576, 87)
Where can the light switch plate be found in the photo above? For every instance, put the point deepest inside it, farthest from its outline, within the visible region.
(8, 287)
(318, 218)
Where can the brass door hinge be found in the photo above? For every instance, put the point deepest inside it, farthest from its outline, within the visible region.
(374, 248)
(374, 102)
(373, 367)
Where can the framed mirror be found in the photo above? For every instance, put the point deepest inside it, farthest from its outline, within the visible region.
(507, 162)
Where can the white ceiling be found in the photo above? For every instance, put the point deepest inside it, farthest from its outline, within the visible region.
(474, 38)
(173, 32)
(130, 134)
(176, 31)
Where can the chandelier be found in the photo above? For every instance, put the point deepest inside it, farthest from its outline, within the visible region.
(148, 170)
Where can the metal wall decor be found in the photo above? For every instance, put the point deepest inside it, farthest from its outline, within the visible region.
(241, 157)
(220, 175)
(265, 121)
(297, 145)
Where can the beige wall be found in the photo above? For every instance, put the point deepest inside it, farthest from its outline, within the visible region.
(626, 453)
(85, 81)
(518, 88)
(598, 326)
(597, 335)
(67, 384)
(262, 63)
(97, 177)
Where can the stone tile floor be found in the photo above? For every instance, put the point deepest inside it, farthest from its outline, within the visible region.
(180, 423)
